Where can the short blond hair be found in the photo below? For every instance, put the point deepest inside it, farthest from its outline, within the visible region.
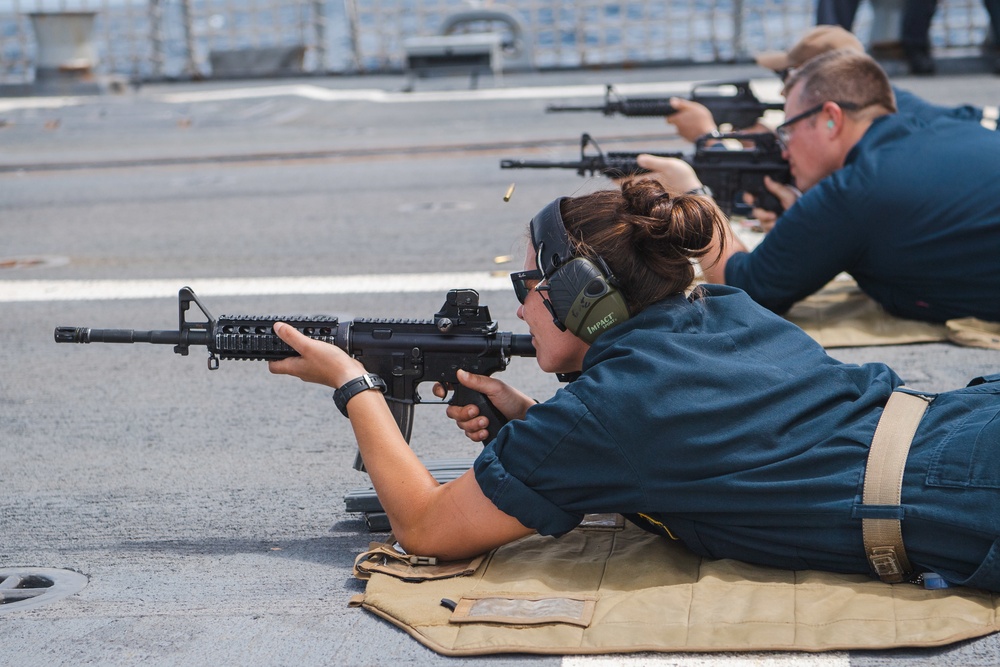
(844, 75)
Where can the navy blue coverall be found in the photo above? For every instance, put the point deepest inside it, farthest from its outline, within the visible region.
(717, 423)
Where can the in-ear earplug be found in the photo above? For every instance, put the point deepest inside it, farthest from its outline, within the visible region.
(829, 124)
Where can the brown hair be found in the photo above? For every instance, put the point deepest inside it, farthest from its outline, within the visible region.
(844, 75)
(646, 237)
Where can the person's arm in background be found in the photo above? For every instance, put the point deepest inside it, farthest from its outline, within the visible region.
(691, 119)
(694, 120)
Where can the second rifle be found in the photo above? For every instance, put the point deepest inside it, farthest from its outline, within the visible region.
(727, 173)
(731, 103)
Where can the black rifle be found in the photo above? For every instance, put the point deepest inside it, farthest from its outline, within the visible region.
(404, 353)
(731, 102)
(727, 173)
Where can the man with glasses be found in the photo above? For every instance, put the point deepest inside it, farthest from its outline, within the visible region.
(908, 206)
(694, 120)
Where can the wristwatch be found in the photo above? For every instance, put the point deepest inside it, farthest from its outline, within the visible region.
(355, 387)
(701, 190)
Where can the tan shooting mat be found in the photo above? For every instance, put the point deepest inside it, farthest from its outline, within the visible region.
(974, 332)
(841, 315)
(624, 590)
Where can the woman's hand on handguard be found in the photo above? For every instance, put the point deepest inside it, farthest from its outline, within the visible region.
(319, 362)
(674, 174)
(786, 194)
(511, 403)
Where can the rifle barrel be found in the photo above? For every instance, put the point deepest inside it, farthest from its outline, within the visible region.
(159, 337)
(636, 106)
(537, 164)
(563, 107)
(521, 346)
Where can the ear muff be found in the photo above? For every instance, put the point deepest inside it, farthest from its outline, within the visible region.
(584, 300)
(581, 293)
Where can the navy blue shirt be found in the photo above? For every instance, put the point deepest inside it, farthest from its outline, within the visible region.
(908, 103)
(716, 422)
(913, 216)
(708, 415)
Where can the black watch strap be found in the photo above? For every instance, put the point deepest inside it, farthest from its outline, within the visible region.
(355, 387)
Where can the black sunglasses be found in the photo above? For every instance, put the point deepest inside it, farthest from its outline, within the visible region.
(524, 282)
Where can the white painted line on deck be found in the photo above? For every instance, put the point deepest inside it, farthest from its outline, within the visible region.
(10, 104)
(766, 88)
(835, 659)
(99, 290)
(324, 94)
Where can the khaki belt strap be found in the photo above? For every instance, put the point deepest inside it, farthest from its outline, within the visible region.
(884, 483)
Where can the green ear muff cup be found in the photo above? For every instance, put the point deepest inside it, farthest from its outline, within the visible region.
(584, 300)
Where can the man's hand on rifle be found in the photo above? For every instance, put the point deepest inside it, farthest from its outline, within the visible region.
(786, 194)
(692, 119)
(318, 362)
(511, 403)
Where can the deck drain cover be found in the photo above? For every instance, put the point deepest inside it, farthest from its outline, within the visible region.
(29, 587)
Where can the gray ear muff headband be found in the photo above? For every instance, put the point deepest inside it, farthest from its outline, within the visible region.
(582, 296)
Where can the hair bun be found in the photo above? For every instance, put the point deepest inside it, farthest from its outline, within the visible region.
(644, 236)
(669, 224)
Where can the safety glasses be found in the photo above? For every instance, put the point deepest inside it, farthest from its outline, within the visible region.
(784, 131)
(524, 282)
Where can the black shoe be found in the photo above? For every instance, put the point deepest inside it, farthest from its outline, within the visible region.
(921, 63)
